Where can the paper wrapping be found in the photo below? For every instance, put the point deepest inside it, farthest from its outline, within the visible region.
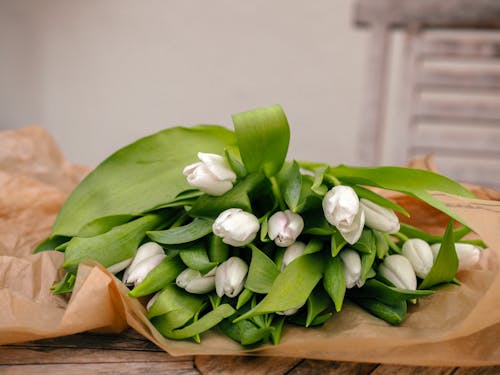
(457, 326)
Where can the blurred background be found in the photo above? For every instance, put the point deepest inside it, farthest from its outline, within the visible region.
(99, 74)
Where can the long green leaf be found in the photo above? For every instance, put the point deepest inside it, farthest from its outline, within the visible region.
(414, 182)
(305, 271)
(446, 264)
(193, 231)
(262, 272)
(263, 136)
(209, 320)
(334, 281)
(114, 246)
(140, 176)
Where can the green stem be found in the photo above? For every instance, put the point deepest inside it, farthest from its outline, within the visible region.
(401, 236)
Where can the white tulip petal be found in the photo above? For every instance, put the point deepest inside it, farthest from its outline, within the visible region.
(379, 218)
(292, 252)
(468, 254)
(115, 268)
(398, 270)
(352, 267)
(419, 253)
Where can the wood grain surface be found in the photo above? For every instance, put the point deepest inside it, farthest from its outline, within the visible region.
(130, 353)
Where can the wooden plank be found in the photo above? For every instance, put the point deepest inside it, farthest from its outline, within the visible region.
(244, 365)
(492, 370)
(139, 368)
(465, 80)
(456, 109)
(309, 366)
(412, 370)
(473, 47)
(428, 13)
(12, 356)
(479, 139)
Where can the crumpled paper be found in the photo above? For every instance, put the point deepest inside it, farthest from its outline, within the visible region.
(457, 326)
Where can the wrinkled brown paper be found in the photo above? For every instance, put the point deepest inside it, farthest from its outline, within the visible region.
(457, 326)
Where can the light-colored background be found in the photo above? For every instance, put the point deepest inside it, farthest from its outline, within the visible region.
(100, 73)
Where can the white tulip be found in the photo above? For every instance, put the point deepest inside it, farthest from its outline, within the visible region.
(147, 257)
(230, 277)
(341, 208)
(468, 254)
(284, 227)
(292, 252)
(194, 282)
(379, 218)
(419, 253)
(212, 174)
(399, 271)
(120, 266)
(236, 227)
(141, 270)
(352, 268)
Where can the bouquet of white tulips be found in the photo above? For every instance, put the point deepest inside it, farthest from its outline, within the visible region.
(220, 231)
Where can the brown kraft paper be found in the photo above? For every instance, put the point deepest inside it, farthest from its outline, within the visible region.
(457, 326)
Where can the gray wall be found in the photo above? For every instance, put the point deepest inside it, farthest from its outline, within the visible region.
(100, 73)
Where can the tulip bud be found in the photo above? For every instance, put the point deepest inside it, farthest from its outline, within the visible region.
(236, 227)
(230, 277)
(120, 266)
(341, 209)
(292, 252)
(147, 257)
(212, 174)
(352, 268)
(398, 270)
(284, 227)
(141, 270)
(194, 282)
(468, 254)
(379, 218)
(419, 253)
(289, 311)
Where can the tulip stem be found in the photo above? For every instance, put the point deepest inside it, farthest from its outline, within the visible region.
(401, 236)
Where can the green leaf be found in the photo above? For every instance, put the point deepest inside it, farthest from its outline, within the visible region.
(140, 176)
(446, 264)
(174, 299)
(366, 243)
(159, 277)
(195, 257)
(236, 165)
(305, 271)
(103, 224)
(380, 243)
(245, 332)
(244, 297)
(413, 232)
(413, 182)
(193, 231)
(392, 314)
(209, 320)
(317, 302)
(337, 242)
(318, 187)
(334, 281)
(313, 246)
(263, 136)
(316, 224)
(65, 285)
(387, 294)
(262, 272)
(114, 246)
(237, 197)
(366, 264)
(218, 251)
(290, 183)
(51, 243)
(278, 330)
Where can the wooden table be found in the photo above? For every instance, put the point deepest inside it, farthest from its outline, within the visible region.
(130, 353)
